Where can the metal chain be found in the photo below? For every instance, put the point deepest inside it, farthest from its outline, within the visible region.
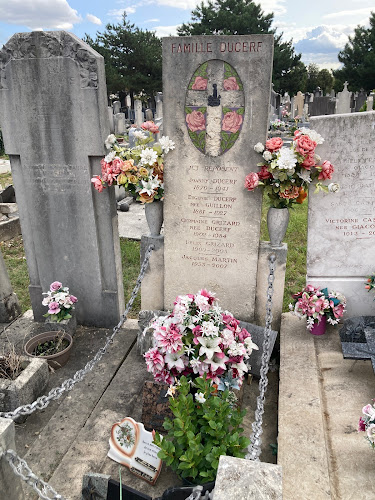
(254, 449)
(43, 401)
(21, 469)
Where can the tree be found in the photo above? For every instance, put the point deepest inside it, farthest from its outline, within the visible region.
(325, 80)
(358, 58)
(132, 58)
(312, 77)
(244, 17)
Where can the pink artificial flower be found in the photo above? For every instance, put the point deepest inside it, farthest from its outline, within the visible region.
(149, 125)
(169, 339)
(361, 425)
(304, 145)
(117, 165)
(231, 122)
(290, 193)
(73, 298)
(327, 170)
(197, 330)
(196, 121)
(210, 296)
(154, 360)
(231, 83)
(244, 334)
(251, 181)
(264, 173)
(106, 167)
(199, 83)
(202, 302)
(56, 285)
(274, 144)
(53, 308)
(96, 180)
(309, 161)
(164, 377)
(230, 322)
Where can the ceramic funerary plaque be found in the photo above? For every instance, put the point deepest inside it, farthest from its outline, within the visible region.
(131, 445)
(216, 93)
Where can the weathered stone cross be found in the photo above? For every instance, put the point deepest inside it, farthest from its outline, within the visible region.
(229, 99)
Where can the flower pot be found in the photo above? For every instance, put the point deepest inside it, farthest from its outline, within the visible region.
(154, 216)
(54, 360)
(319, 328)
(277, 223)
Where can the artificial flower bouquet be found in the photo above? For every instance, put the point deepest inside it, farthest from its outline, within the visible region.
(59, 301)
(286, 172)
(370, 283)
(313, 303)
(205, 426)
(199, 338)
(139, 169)
(367, 423)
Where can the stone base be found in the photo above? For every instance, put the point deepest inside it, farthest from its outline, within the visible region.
(67, 325)
(26, 388)
(9, 308)
(10, 484)
(265, 250)
(247, 480)
(10, 229)
(152, 291)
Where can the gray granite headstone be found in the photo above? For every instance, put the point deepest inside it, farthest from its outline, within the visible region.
(116, 107)
(159, 105)
(138, 113)
(216, 94)
(111, 120)
(341, 226)
(53, 111)
(343, 100)
(299, 102)
(120, 123)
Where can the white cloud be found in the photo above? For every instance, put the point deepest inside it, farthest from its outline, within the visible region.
(324, 39)
(118, 13)
(151, 21)
(275, 6)
(349, 13)
(39, 14)
(93, 19)
(179, 4)
(161, 31)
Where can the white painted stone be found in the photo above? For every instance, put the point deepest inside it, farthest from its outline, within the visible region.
(138, 112)
(211, 221)
(131, 445)
(343, 100)
(341, 226)
(116, 107)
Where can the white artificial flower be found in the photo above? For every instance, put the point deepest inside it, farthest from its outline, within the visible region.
(317, 159)
(188, 349)
(236, 349)
(310, 323)
(249, 344)
(138, 134)
(46, 300)
(200, 397)
(216, 362)
(209, 345)
(196, 364)
(314, 136)
(166, 143)
(111, 139)
(304, 175)
(174, 360)
(371, 433)
(333, 321)
(150, 185)
(333, 187)
(110, 156)
(259, 148)
(171, 391)
(267, 155)
(148, 157)
(286, 159)
(209, 329)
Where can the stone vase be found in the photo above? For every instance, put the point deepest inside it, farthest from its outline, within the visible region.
(319, 328)
(277, 223)
(154, 216)
(67, 325)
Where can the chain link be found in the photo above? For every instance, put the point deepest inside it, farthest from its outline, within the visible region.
(254, 449)
(43, 401)
(21, 469)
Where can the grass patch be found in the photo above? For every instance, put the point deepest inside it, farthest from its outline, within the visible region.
(5, 180)
(296, 238)
(130, 258)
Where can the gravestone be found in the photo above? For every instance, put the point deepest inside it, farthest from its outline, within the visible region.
(299, 102)
(138, 119)
(111, 120)
(370, 102)
(53, 111)
(116, 107)
(149, 114)
(322, 106)
(159, 105)
(216, 93)
(343, 100)
(360, 100)
(120, 127)
(341, 226)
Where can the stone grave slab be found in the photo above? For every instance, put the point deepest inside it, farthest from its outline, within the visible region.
(216, 93)
(341, 226)
(53, 110)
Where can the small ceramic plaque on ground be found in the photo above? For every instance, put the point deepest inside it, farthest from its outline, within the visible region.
(131, 445)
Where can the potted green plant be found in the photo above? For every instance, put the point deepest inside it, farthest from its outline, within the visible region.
(206, 425)
(54, 346)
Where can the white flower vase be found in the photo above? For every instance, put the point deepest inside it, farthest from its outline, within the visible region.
(277, 223)
(154, 216)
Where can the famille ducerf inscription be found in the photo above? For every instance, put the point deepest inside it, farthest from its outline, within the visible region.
(343, 226)
(215, 95)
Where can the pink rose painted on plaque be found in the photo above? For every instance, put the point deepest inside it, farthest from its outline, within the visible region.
(231, 122)
(196, 121)
(200, 83)
(327, 170)
(231, 83)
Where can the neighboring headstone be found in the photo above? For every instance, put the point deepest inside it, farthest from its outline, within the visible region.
(120, 127)
(299, 102)
(370, 102)
(341, 226)
(343, 100)
(216, 93)
(322, 106)
(159, 105)
(247, 480)
(53, 111)
(149, 114)
(138, 112)
(116, 107)
(111, 120)
(9, 305)
(10, 484)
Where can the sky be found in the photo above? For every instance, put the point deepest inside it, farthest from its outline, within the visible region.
(319, 29)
